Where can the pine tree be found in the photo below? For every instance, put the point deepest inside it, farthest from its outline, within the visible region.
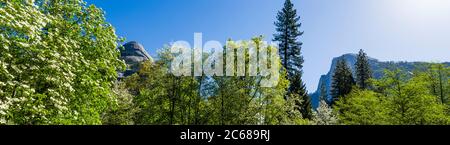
(299, 88)
(290, 53)
(363, 71)
(288, 31)
(342, 81)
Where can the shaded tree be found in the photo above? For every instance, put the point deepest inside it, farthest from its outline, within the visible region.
(342, 82)
(323, 92)
(363, 71)
(290, 52)
(304, 100)
(438, 76)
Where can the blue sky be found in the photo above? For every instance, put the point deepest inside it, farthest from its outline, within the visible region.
(398, 30)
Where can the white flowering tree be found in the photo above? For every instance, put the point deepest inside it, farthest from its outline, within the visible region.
(324, 115)
(58, 62)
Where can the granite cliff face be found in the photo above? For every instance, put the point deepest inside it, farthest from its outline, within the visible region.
(133, 53)
(377, 67)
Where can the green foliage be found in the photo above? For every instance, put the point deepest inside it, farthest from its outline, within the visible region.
(241, 100)
(290, 53)
(363, 71)
(161, 98)
(401, 99)
(438, 76)
(410, 102)
(287, 33)
(122, 111)
(58, 62)
(298, 89)
(363, 107)
(342, 82)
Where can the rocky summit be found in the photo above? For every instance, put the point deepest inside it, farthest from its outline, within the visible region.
(133, 53)
(377, 67)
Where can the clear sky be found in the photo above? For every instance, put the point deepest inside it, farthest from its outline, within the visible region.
(398, 30)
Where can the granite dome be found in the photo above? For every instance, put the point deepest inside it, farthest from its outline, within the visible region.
(133, 53)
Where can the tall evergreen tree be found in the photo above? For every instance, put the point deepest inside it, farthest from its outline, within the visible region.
(287, 33)
(290, 53)
(342, 81)
(299, 89)
(363, 71)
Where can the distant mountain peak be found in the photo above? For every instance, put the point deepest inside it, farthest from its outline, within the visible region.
(133, 54)
(136, 49)
(377, 67)
(348, 55)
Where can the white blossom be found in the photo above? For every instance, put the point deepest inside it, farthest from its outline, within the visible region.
(324, 115)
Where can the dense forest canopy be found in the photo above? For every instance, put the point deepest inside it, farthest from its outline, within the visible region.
(60, 60)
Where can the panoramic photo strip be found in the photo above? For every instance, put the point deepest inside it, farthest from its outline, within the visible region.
(224, 71)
